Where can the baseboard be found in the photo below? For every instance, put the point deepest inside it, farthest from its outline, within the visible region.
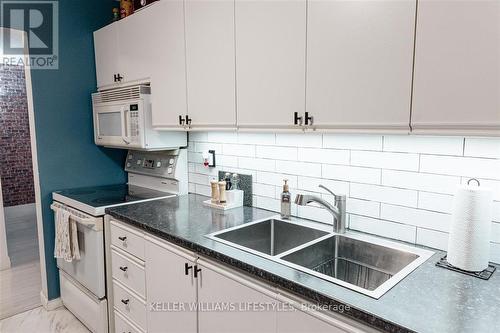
(4, 262)
(52, 304)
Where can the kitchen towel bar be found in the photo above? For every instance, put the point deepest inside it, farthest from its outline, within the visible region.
(80, 217)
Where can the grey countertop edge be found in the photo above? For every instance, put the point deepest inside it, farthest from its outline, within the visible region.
(290, 286)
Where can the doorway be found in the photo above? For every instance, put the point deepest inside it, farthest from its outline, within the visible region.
(20, 259)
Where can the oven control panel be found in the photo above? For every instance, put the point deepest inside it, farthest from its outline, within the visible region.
(160, 163)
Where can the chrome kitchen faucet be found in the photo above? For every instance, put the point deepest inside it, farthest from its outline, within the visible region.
(338, 210)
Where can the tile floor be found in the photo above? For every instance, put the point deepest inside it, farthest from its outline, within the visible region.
(41, 321)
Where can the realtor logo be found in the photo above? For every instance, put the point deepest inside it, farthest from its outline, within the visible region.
(39, 19)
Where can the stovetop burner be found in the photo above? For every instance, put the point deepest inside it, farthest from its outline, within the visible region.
(111, 195)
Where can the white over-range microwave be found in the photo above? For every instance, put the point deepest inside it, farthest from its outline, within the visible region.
(122, 119)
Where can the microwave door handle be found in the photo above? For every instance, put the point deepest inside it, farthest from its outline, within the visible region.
(125, 123)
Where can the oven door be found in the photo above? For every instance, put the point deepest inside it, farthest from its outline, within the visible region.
(116, 125)
(89, 270)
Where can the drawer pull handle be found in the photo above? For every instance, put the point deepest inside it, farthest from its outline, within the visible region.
(122, 238)
(196, 271)
(187, 267)
(124, 268)
(125, 301)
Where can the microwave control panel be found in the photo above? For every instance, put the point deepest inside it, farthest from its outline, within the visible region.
(158, 164)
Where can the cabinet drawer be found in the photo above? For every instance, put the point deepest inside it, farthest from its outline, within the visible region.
(127, 240)
(128, 272)
(129, 304)
(123, 325)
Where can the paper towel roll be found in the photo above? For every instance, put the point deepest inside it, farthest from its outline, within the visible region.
(469, 241)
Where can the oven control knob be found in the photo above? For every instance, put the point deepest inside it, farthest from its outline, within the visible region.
(138, 162)
(128, 165)
(158, 164)
(130, 156)
(169, 170)
(171, 161)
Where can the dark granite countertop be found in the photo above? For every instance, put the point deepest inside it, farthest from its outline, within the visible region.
(430, 299)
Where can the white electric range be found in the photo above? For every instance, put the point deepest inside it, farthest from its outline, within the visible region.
(151, 176)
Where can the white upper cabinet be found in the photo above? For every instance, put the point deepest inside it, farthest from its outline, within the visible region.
(359, 63)
(168, 80)
(270, 62)
(210, 63)
(457, 67)
(106, 54)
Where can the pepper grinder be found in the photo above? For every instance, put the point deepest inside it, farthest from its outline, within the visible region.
(215, 191)
(222, 192)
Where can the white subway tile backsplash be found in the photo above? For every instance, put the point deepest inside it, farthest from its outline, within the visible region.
(354, 142)
(299, 168)
(222, 137)
(352, 174)
(203, 189)
(226, 161)
(206, 146)
(264, 190)
(238, 150)
(432, 238)
(420, 181)
(327, 156)
(195, 157)
(277, 153)
(257, 163)
(416, 217)
(495, 252)
(275, 179)
(385, 194)
(315, 213)
(399, 187)
(482, 147)
(495, 232)
(257, 138)
(424, 144)
(299, 140)
(496, 211)
(312, 184)
(461, 166)
(363, 207)
(383, 228)
(384, 160)
(198, 136)
(437, 202)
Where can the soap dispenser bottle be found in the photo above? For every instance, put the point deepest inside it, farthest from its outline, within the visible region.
(286, 204)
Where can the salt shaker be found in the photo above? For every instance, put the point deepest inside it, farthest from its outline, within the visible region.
(222, 192)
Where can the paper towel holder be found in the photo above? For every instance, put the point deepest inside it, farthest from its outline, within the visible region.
(474, 180)
(485, 274)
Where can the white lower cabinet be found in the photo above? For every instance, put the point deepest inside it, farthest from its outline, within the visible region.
(187, 294)
(170, 288)
(231, 303)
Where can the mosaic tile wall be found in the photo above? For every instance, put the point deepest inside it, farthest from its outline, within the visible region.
(15, 148)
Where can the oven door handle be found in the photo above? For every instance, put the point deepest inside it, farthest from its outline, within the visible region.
(125, 122)
(81, 218)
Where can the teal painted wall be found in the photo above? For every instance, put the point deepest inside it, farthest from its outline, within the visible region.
(67, 155)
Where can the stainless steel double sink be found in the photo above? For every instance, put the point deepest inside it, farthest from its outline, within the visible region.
(363, 263)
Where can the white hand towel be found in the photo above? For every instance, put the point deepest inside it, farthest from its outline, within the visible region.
(75, 249)
(66, 237)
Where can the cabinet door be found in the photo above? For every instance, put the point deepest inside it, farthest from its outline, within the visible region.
(138, 38)
(270, 62)
(359, 63)
(218, 287)
(106, 54)
(168, 287)
(168, 80)
(210, 63)
(457, 67)
(296, 321)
